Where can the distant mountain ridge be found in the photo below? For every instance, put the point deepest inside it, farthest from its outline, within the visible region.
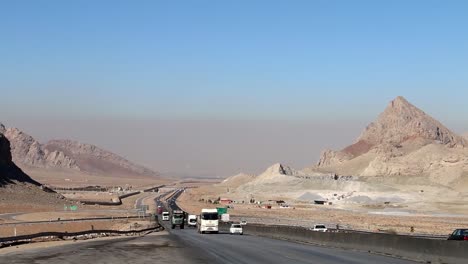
(93, 159)
(69, 155)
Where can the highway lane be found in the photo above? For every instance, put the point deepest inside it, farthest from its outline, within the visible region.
(187, 246)
(229, 249)
(154, 248)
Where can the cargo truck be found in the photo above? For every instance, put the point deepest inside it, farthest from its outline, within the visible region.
(178, 219)
(208, 221)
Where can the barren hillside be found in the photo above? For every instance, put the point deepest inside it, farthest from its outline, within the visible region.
(18, 191)
(237, 180)
(71, 156)
(92, 159)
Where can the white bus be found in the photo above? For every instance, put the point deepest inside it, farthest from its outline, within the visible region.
(208, 221)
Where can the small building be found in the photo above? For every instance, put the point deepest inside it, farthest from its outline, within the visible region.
(225, 201)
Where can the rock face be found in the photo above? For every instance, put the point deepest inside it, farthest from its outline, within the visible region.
(26, 151)
(92, 159)
(69, 155)
(402, 141)
(400, 122)
(9, 172)
(465, 136)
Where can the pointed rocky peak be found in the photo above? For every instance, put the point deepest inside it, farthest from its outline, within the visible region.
(400, 122)
(281, 169)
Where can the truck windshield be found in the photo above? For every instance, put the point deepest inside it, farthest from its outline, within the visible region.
(209, 216)
(178, 216)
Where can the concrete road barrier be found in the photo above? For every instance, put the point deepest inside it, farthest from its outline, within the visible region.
(407, 247)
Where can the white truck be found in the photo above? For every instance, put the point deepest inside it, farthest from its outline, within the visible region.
(208, 221)
(192, 221)
(225, 218)
(165, 216)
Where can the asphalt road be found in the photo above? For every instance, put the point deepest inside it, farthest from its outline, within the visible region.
(187, 246)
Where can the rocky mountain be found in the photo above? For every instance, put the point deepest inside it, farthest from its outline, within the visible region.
(18, 191)
(465, 136)
(26, 151)
(69, 155)
(92, 159)
(402, 141)
(9, 172)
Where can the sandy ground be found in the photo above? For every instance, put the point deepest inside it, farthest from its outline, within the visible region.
(308, 215)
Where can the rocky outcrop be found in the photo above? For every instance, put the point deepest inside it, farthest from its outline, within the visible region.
(402, 121)
(9, 172)
(68, 155)
(329, 157)
(91, 158)
(402, 141)
(26, 151)
(401, 124)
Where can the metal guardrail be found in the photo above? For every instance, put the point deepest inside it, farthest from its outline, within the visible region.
(71, 220)
(28, 238)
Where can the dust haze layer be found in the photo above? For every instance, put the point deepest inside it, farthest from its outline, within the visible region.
(199, 148)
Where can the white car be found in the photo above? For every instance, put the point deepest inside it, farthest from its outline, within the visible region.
(320, 228)
(243, 223)
(236, 229)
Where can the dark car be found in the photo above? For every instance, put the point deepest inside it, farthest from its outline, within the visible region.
(459, 234)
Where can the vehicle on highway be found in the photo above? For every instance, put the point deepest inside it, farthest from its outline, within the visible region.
(225, 218)
(165, 216)
(177, 219)
(243, 222)
(459, 234)
(160, 209)
(236, 229)
(192, 221)
(208, 221)
(320, 228)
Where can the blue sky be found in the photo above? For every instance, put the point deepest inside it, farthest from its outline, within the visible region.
(289, 60)
(220, 87)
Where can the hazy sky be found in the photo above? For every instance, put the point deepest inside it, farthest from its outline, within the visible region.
(197, 79)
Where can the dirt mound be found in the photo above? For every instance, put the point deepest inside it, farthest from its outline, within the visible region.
(237, 180)
(308, 196)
